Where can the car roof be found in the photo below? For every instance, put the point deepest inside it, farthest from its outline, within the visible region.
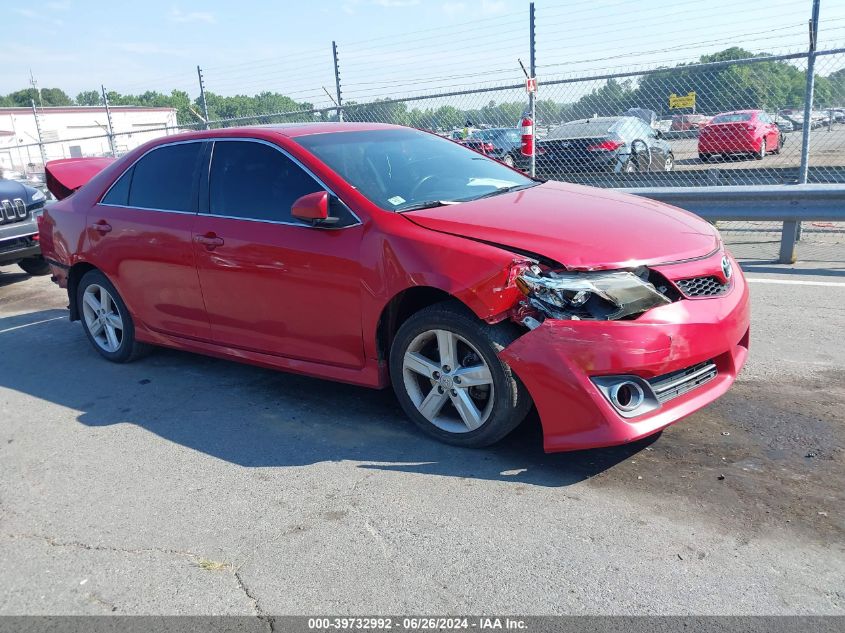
(740, 112)
(290, 130)
(599, 119)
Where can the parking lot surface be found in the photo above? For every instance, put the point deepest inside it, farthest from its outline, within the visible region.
(181, 484)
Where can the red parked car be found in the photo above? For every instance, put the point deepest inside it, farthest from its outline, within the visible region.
(741, 132)
(686, 122)
(378, 255)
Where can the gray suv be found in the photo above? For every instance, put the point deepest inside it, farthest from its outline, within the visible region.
(20, 206)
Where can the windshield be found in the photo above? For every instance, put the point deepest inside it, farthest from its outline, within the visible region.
(400, 169)
(732, 118)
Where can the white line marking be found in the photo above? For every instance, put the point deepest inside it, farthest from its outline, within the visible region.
(18, 327)
(795, 282)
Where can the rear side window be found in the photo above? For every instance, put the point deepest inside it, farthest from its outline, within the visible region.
(119, 193)
(164, 178)
(255, 181)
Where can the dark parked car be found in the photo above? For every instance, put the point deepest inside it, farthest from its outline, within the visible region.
(503, 144)
(615, 144)
(649, 116)
(19, 206)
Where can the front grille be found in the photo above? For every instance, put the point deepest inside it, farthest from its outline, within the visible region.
(702, 287)
(670, 386)
(12, 211)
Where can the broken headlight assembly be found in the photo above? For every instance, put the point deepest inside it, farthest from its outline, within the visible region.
(597, 295)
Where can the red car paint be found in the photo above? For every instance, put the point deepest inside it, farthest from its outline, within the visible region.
(740, 137)
(318, 302)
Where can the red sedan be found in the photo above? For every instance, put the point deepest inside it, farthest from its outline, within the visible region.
(378, 255)
(741, 132)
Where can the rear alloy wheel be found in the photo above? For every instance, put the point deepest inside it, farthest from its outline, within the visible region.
(106, 319)
(447, 375)
(508, 160)
(669, 164)
(35, 266)
(761, 154)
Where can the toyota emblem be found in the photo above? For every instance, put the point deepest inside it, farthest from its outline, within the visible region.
(727, 267)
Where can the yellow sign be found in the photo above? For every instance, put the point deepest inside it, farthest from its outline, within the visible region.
(686, 101)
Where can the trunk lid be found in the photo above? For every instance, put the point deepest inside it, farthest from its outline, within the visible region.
(66, 175)
(569, 151)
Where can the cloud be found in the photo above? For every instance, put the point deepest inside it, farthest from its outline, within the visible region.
(394, 4)
(27, 13)
(148, 48)
(182, 17)
(453, 8)
(489, 7)
(61, 5)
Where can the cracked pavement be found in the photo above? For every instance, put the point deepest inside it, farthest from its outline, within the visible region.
(181, 484)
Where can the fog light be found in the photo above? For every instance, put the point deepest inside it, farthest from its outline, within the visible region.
(630, 396)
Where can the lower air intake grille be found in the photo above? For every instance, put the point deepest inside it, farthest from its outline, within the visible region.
(702, 287)
(670, 386)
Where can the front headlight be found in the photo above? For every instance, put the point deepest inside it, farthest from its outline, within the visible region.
(603, 295)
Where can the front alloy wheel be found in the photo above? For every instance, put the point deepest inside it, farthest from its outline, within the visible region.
(441, 367)
(449, 379)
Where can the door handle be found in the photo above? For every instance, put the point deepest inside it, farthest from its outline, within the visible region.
(101, 227)
(209, 240)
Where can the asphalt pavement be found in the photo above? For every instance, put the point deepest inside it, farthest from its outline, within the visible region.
(181, 484)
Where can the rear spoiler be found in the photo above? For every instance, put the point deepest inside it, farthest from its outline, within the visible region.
(66, 175)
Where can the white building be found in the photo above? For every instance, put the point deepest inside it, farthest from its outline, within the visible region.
(76, 131)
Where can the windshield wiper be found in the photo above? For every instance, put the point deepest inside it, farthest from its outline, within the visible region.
(502, 190)
(426, 204)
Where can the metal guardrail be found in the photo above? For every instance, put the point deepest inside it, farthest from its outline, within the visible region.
(790, 204)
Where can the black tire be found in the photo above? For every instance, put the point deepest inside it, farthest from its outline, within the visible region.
(761, 153)
(779, 146)
(129, 349)
(510, 399)
(669, 165)
(509, 161)
(704, 157)
(35, 266)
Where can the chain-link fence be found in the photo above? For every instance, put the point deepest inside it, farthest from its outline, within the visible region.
(730, 118)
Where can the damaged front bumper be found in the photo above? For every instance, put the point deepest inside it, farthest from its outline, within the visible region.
(567, 367)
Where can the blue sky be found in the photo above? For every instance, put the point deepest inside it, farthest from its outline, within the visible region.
(387, 47)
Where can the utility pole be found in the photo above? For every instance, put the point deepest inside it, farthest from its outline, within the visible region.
(202, 98)
(337, 81)
(38, 131)
(109, 121)
(532, 96)
(791, 231)
(808, 94)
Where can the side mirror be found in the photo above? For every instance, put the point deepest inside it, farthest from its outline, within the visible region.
(313, 208)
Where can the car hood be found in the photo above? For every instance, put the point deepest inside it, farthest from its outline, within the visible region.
(580, 227)
(10, 189)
